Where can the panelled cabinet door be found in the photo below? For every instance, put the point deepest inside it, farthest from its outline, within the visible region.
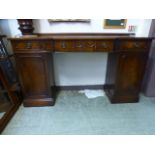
(131, 66)
(34, 75)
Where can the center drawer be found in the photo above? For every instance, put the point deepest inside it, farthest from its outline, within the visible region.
(83, 45)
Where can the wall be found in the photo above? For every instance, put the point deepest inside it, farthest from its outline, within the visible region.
(96, 25)
(79, 68)
(9, 27)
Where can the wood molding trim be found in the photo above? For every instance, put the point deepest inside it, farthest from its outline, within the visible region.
(81, 87)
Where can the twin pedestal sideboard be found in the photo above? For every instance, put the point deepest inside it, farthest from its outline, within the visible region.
(127, 58)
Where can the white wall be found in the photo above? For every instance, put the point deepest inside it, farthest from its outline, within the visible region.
(96, 25)
(77, 68)
(9, 27)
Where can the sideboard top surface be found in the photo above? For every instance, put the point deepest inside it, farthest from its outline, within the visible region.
(78, 36)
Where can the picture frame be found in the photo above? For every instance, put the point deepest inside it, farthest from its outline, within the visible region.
(68, 20)
(115, 23)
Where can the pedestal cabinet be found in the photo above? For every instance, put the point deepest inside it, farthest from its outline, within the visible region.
(124, 76)
(125, 69)
(34, 72)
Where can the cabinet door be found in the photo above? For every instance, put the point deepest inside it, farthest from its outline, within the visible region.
(131, 66)
(34, 75)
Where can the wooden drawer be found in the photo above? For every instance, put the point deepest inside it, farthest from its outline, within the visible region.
(137, 45)
(104, 46)
(83, 45)
(32, 45)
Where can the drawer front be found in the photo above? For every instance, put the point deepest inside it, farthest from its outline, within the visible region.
(32, 45)
(137, 45)
(83, 45)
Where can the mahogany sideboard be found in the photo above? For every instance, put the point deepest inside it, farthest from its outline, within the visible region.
(127, 57)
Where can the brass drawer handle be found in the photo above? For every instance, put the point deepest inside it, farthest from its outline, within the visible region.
(104, 45)
(78, 44)
(63, 44)
(136, 45)
(29, 45)
(91, 44)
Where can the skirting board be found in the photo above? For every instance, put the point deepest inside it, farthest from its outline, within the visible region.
(81, 87)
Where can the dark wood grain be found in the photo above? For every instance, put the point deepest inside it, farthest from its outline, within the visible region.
(70, 36)
(28, 45)
(125, 70)
(85, 34)
(86, 45)
(134, 44)
(35, 79)
(126, 63)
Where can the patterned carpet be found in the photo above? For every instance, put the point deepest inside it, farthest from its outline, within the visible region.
(74, 113)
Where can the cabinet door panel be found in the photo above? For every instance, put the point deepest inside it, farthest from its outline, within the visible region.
(131, 67)
(34, 76)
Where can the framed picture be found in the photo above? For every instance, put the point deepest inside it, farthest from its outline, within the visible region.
(115, 23)
(69, 20)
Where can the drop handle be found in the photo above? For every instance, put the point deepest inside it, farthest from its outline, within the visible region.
(78, 44)
(29, 45)
(136, 45)
(104, 45)
(63, 45)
